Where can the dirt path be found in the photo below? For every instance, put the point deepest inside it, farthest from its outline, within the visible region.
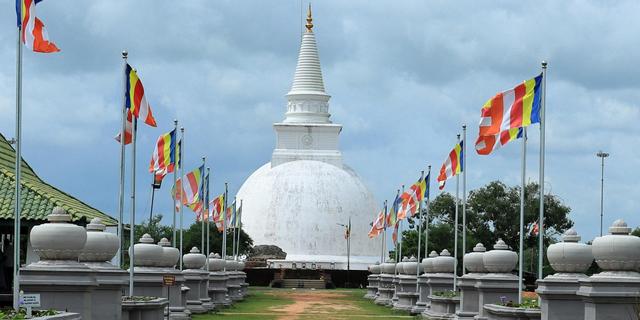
(313, 302)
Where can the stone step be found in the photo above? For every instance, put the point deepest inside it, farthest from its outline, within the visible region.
(303, 283)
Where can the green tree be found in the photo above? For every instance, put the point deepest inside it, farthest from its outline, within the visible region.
(193, 238)
(493, 212)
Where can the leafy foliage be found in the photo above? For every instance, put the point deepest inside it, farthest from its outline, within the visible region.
(493, 212)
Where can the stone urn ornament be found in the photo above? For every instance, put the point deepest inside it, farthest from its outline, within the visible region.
(411, 266)
(569, 256)
(215, 262)
(100, 246)
(170, 255)
(619, 250)
(444, 263)
(194, 259)
(400, 266)
(388, 267)
(375, 268)
(473, 260)
(427, 263)
(58, 239)
(500, 259)
(147, 253)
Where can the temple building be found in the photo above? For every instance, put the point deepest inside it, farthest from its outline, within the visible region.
(38, 200)
(303, 199)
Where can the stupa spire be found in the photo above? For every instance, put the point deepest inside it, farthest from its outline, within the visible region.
(309, 24)
(308, 102)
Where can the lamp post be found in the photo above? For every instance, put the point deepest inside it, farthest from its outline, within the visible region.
(601, 155)
(348, 238)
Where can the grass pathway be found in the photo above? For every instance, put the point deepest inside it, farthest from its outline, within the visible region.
(288, 304)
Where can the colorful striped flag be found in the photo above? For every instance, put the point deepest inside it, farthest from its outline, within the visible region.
(135, 99)
(231, 215)
(164, 155)
(392, 217)
(427, 182)
(190, 191)
(452, 166)
(32, 31)
(198, 206)
(128, 129)
(378, 225)
(394, 236)
(216, 206)
(512, 109)
(411, 198)
(487, 144)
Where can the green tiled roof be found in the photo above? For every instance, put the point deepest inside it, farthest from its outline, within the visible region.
(38, 197)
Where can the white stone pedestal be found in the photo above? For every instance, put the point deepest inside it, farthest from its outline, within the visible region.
(423, 293)
(559, 299)
(385, 289)
(408, 294)
(62, 285)
(234, 285)
(193, 280)
(467, 285)
(611, 295)
(372, 286)
(218, 289)
(148, 282)
(494, 286)
(108, 295)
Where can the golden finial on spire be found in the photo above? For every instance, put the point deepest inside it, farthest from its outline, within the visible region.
(309, 24)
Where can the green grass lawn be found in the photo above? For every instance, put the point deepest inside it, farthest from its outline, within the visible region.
(268, 303)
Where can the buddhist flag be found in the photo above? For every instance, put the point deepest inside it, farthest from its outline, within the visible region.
(503, 115)
(487, 144)
(164, 155)
(216, 206)
(135, 99)
(189, 192)
(392, 217)
(347, 231)
(452, 166)
(128, 129)
(378, 225)
(411, 198)
(394, 236)
(32, 31)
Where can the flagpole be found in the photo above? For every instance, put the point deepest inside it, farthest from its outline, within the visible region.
(239, 230)
(455, 231)
(202, 213)
(426, 231)
(175, 173)
(18, 168)
(400, 234)
(122, 162)
(133, 204)
(464, 193)
(419, 226)
(153, 195)
(233, 241)
(224, 225)
(384, 232)
(181, 188)
(522, 194)
(206, 212)
(541, 187)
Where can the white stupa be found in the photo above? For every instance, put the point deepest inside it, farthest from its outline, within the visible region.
(299, 199)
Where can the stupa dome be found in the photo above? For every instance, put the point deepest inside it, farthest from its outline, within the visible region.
(297, 206)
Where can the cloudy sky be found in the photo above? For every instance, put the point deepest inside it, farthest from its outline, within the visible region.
(403, 75)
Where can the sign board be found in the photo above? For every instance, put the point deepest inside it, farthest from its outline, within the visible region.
(31, 300)
(168, 280)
